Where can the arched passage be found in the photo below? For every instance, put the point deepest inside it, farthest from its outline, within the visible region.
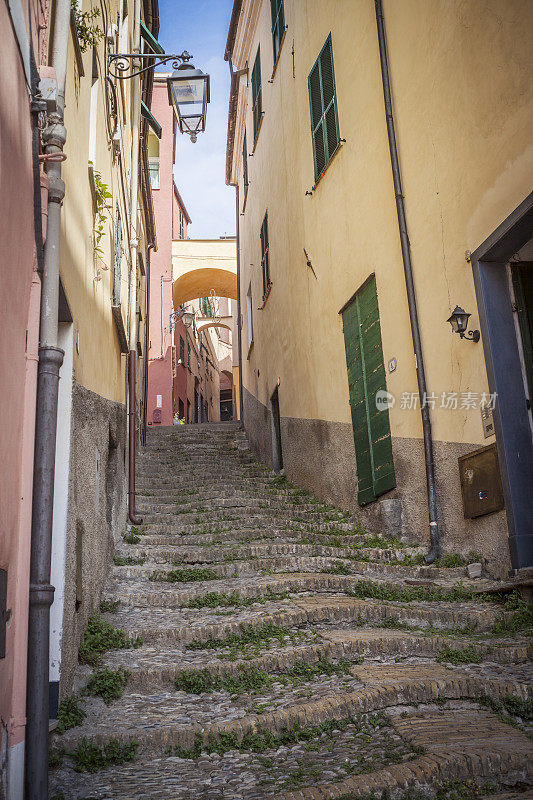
(203, 323)
(200, 282)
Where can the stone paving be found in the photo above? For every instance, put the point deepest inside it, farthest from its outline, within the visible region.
(287, 653)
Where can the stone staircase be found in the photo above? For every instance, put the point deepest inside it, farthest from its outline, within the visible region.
(287, 653)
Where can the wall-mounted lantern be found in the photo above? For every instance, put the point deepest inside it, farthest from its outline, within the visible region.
(459, 322)
(188, 94)
(187, 317)
(188, 87)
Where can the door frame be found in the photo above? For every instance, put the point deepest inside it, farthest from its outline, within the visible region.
(504, 372)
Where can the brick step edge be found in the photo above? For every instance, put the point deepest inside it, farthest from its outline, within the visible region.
(157, 739)
(422, 773)
(145, 676)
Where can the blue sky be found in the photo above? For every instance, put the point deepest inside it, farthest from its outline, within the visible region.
(201, 27)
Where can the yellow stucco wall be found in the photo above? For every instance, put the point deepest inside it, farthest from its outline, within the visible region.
(199, 265)
(462, 85)
(88, 280)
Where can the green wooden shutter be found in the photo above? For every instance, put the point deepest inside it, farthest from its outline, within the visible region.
(366, 376)
(256, 92)
(278, 24)
(323, 106)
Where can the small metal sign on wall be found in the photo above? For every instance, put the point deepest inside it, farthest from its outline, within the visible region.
(481, 483)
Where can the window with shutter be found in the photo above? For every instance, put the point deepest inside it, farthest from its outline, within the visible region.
(256, 92)
(244, 163)
(323, 108)
(278, 25)
(265, 263)
(118, 259)
(182, 351)
(366, 377)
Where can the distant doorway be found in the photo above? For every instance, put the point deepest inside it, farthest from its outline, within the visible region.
(277, 451)
(196, 406)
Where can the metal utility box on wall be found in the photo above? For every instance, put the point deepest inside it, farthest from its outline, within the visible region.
(481, 483)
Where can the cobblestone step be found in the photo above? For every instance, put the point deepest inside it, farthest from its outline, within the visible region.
(297, 611)
(158, 721)
(234, 567)
(375, 709)
(210, 555)
(153, 666)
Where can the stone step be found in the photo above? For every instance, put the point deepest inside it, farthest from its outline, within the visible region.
(210, 555)
(158, 721)
(233, 567)
(463, 746)
(241, 505)
(149, 667)
(314, 610)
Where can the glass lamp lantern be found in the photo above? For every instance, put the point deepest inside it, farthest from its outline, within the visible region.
(188, 94)
(459, 322)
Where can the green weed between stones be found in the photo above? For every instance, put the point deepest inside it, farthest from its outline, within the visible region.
(338, 569)
(109, 684)
(441, 790)
(513, 706)
(261, 740)
(250, 678)
(91, 758)
(216, 599)
(100, 636)
(248, 635)
(133, 536)
(518, 616)
(465, 655)
(127, 561)
(109, 606)
(69, 714)
(185, 575)
(55, 757)
(409, 594)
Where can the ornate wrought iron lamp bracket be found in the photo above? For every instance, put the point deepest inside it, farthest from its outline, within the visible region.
(123, 66)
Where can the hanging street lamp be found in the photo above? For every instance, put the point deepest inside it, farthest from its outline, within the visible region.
(188, 87)
(188, 94)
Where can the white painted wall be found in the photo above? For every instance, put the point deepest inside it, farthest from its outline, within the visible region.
(59, 532)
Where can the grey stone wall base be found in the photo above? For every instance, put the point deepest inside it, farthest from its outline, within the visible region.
(96, 511)
(391, 513)
(320, 456)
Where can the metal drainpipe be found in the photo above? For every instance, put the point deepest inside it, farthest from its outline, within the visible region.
(41, 593)
(134, 244)
(239, 318)
(411, 296)
(146, 343)
(131, 415)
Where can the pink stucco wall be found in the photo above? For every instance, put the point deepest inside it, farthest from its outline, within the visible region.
(166, 208)
(161, 339)
(19, 316)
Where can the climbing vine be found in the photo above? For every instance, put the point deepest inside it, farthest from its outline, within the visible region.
(88, 30)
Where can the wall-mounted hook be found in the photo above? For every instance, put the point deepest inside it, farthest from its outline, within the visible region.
(309, 264)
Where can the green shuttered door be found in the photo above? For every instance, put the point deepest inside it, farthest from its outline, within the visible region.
(366, 376)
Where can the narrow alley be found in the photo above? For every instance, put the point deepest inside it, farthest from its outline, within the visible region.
(266, 418)
(265, 645)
